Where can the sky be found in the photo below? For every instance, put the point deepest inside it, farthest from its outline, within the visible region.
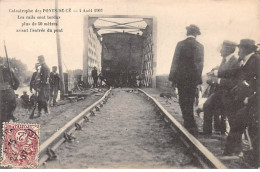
(218, 20)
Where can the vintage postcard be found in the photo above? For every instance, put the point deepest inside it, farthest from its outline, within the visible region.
(129, 84)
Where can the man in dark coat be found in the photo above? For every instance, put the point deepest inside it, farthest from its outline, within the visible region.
(94, 76)
(8, 83)
(186, 70)
(242, 89)
(213, 106)
(35, 80)
(54, 85)
(44, 91)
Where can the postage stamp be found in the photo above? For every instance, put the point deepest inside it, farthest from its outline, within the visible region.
(20, 145)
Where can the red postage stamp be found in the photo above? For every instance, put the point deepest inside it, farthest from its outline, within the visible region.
(20, 145)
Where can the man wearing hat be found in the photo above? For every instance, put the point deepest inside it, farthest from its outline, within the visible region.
(44, 91)
(242, 89)
(54, 85)
(185, 74)
(214, 105)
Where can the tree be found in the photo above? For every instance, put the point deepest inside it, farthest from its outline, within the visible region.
(20, 69)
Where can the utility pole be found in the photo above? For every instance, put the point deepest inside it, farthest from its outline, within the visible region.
(59, 53)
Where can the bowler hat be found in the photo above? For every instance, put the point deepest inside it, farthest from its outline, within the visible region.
(193, 28)
(247, 43)
(227, 43)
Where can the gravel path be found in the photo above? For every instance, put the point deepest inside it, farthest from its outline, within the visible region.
(126, 133)
(59, 115)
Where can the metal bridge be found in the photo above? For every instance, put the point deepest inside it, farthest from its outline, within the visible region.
(128, 42)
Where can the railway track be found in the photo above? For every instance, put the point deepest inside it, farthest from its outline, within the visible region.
(205, 158)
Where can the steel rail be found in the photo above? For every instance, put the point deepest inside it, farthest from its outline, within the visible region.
(205, 157)
(53, 142)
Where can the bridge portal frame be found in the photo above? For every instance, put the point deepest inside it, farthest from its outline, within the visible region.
(89, 21)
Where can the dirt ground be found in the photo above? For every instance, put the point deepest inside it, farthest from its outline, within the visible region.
(126, 133)
(214, 143)
(59, 115)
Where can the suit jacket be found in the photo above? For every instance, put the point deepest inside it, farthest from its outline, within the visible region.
(44, 74)
(54, 80)
(187, 63)
(33, 80)
(246, 72)
(232, 64)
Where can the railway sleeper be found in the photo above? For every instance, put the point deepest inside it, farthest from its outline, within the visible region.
(92, 113)
(51, 154)
(68, 137)
(78, 126)
(97, 108)
(198, 159)
(86, 118)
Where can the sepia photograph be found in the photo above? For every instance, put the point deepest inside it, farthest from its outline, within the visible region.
(120, 84)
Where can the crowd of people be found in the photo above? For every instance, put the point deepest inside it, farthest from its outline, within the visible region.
(44, 87)
(231, 95)
(116, 78)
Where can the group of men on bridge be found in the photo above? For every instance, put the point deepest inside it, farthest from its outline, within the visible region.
(233, 89)
(116, 78)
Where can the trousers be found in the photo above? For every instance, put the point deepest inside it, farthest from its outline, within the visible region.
(186, 93)
(43, 98)
(53, 94)
(213, 108)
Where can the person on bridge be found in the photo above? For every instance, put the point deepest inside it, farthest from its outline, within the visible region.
(8, 83)
(185, 74)
(94, 76)
(54, 86)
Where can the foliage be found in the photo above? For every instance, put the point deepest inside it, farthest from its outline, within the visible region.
(19, 68)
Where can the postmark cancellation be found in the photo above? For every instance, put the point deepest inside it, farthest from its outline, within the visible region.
(20, 146)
